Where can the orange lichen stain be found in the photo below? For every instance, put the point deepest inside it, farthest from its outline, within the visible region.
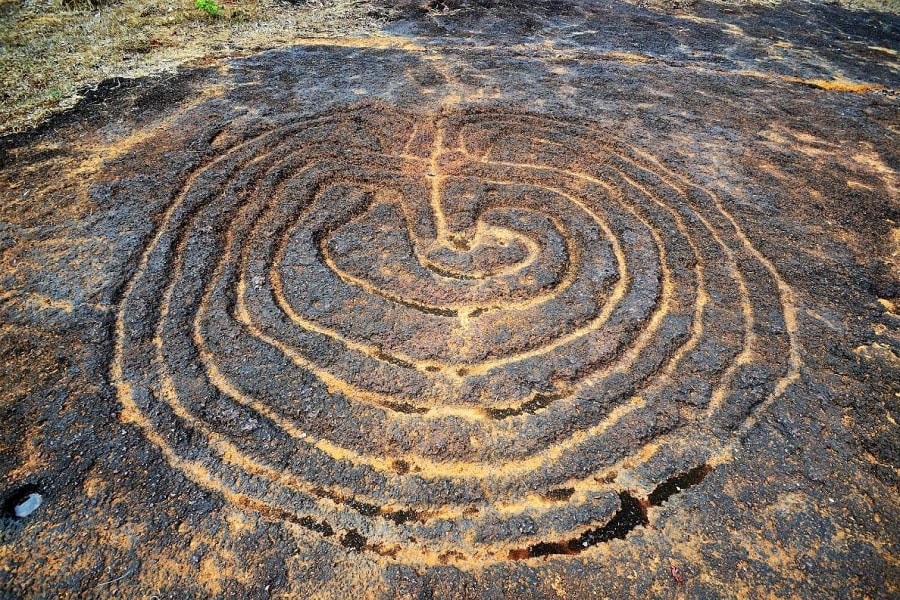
(871, 160)
(357, 579)
(858, 185)
(33, 461)
(239, 522)
(789, 503)
(723, 457)
(873, 460)
(733, 29)
(880, 352)
(841, 85)
(380, 42)
(775, 556)
(888, 305)
(883, 49)
(41, 302)
(808, 138)
(838, 84)
(628, 57)
(894, 250)
(93, 486)
(124, 537)
(210, 577)
(165, 571)
(83, 561)
(100, 154)
(694, 18)
(558, 586)
(798, 141)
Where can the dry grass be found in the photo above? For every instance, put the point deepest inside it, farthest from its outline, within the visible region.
(50, 49)
(891, 6)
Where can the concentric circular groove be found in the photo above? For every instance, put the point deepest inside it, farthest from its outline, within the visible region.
(417, 327)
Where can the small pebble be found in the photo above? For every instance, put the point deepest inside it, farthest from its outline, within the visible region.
(28, 506)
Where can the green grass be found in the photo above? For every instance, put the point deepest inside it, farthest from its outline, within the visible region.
(209, 7)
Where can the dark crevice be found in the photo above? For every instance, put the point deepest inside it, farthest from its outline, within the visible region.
(430, 310)
(632, 513)
(320, 527)
(364, 508)
(559, 494)
(460, 244)
(399, 517)
(481, 310)
(405, 407)
(380, 355)
(353, 540)
(530, 407)
(367, 509)
(676, 484)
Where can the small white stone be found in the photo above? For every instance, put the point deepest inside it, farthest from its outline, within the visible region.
(28, 506)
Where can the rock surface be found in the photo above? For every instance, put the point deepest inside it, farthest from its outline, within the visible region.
(530, 301)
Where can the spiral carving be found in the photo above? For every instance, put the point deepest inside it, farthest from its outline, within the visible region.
(440, 337)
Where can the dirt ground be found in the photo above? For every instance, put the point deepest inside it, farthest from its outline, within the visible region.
(465, 300)
(56, 51)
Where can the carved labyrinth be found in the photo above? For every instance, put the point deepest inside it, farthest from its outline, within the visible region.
(445, 338)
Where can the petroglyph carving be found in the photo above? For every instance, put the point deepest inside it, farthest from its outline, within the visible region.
(407, 330)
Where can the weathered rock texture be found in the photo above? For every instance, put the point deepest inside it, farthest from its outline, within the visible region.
(572, 301)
